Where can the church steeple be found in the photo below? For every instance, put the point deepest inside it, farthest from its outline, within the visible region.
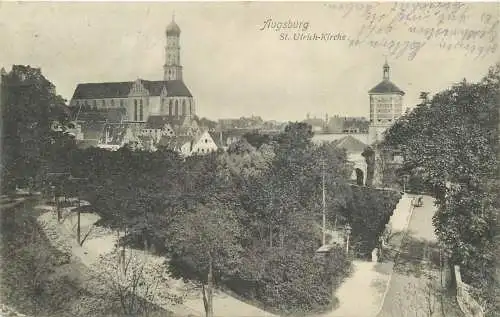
(172, 70)
(386, 70)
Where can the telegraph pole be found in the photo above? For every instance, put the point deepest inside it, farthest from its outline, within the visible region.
(324, 205)
(78, 229)
(78, 221)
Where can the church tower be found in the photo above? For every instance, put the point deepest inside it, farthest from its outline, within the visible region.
(172, 70)
(386, 106)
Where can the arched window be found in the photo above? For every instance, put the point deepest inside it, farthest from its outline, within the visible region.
(135, 109)
(112, 103)
(122, 103)
(141, 111)
(170, 106)
(177, 107)
(95, 104)
(184, 111)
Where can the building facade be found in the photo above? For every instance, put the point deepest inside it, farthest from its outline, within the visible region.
(386, 106)
(140, 99)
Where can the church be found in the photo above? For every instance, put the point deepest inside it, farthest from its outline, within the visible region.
(138, 101)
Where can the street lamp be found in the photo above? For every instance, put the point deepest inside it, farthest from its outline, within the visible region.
(348, 233)
(53, 189)
(405, 181)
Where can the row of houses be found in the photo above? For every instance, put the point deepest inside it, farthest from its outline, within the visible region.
(187, 138)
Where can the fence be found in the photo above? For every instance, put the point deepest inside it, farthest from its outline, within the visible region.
(469, 306)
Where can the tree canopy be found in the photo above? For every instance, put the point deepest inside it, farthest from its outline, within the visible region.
(451, 142)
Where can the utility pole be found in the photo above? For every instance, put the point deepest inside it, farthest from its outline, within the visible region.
(348, 234)
(76, 180)
(324, 205)
(78, 221)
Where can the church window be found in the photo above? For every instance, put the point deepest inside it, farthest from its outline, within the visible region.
(112, 103)
(170, 108)
(184, 111)
(141, 111)
(135, 110)
(177, 107)
(122, 103)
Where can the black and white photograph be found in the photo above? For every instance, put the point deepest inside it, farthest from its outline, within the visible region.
(249, 159)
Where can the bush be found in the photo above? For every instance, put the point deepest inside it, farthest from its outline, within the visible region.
(291, 282)
(368, 211)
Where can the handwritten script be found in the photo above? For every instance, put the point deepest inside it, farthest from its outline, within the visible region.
(405, 29)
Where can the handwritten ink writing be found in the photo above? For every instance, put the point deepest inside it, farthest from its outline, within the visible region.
(442, 25)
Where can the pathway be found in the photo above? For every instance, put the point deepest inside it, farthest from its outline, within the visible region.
(360, 295)
(103, 244)
(414, 286)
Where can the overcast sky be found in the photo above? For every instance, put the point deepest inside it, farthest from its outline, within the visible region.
(233, 68)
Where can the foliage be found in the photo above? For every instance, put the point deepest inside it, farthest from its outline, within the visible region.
(132, 283)
(205, 235)
(257, 139)
(369, 155)
(292, 281)
(204, 243)
(29, 107)
(453, 140)
(368, 211)
(258, 210)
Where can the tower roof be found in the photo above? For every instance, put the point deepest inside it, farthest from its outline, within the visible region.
(173, 28)
(386, 87)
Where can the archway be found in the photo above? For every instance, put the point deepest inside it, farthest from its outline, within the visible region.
(360, 177)
(359, 169)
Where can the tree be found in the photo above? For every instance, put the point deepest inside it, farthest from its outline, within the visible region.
(369, 155)
(134, 283)
(453, 140)
(203, 245)
(29, 106)
(257, 139)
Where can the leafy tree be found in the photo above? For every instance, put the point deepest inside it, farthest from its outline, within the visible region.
(369, 155)
(204, 244)
(257, 139)
(29, 106)
(453, 139)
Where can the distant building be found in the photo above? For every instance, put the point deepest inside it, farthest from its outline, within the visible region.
(386, 106)
(253, 122)
(318, 125)
(203, 144)
(350, 125)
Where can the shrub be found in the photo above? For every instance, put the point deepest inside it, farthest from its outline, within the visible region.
(368, 211)
(291, 282)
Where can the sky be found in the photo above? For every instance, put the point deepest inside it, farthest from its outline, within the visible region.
(234, 69)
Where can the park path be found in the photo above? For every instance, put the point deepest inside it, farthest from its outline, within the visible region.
(103, 243)
(415, 283)
(361, 294)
